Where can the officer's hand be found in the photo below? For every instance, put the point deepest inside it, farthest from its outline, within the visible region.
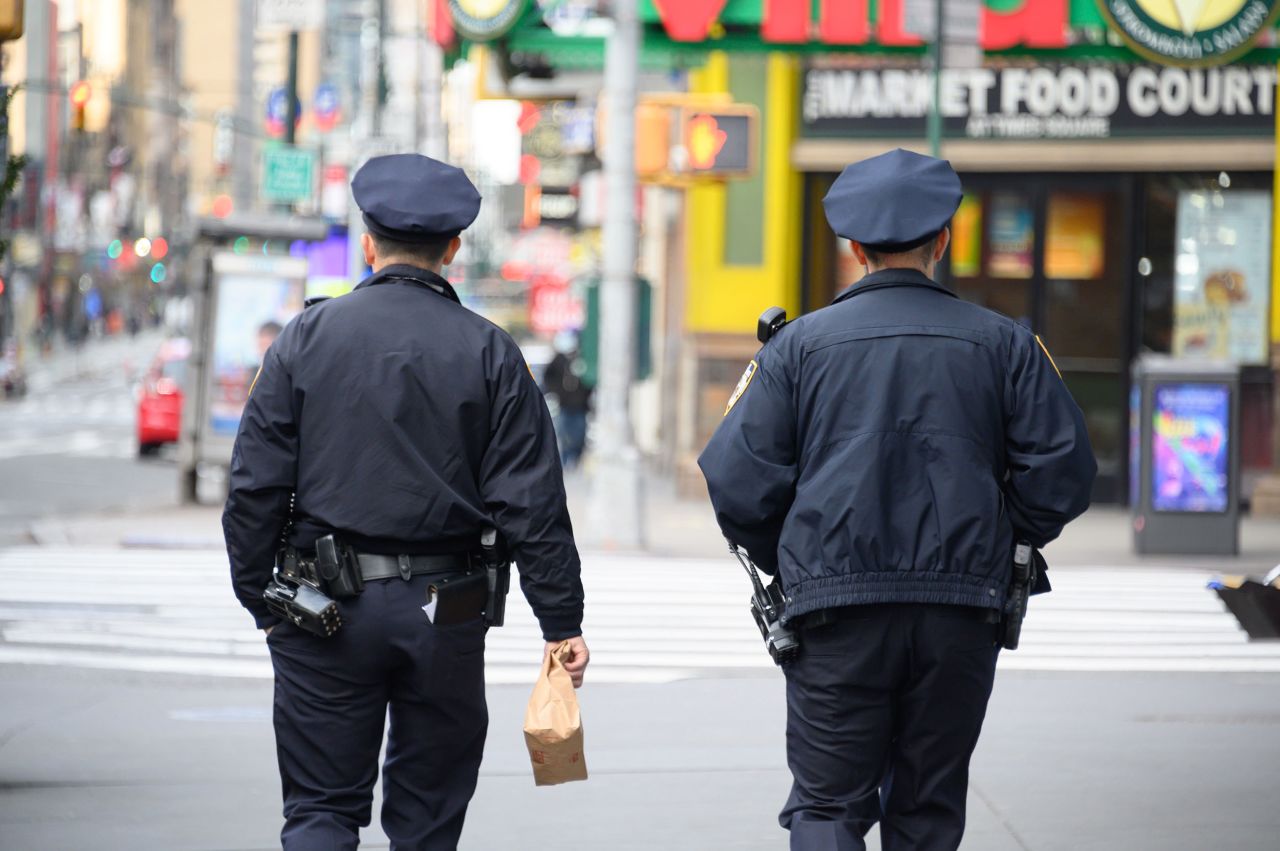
(576, 662)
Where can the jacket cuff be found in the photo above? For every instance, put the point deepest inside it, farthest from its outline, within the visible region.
(558, 627)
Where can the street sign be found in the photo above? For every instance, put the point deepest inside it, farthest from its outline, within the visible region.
(288, 175)
(277, 114)
(326, 106)
(290, 15)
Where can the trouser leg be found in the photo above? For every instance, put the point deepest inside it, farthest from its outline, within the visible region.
(329, 713)
(839, 724)
(436, 738)
(941, 709)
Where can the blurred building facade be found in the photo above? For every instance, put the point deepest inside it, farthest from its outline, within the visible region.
(1119, 202)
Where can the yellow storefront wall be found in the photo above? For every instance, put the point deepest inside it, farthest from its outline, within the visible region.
(727, 299)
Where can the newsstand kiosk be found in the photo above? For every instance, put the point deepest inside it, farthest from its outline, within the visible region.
(1185, 457)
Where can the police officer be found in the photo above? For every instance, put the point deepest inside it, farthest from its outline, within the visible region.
(881, 456)
(404, 424)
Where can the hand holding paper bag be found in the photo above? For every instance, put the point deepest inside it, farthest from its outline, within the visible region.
(553, 724)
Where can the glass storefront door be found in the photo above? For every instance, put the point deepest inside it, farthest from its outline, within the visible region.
(1053, 252)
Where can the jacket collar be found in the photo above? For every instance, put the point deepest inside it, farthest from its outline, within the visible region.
(886, 278)
(404, 273)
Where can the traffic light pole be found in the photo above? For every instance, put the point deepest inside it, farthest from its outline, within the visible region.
(616, 510)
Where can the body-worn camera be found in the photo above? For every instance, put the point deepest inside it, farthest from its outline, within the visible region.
(1015, 604)
(302, 604)
(767, 606)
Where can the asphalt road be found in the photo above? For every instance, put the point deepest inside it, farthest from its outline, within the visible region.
(69, 447)
(1067, 761)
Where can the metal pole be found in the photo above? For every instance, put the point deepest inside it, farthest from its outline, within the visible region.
(935, 60)
(244, 157)
(291, 94)
(616, 519)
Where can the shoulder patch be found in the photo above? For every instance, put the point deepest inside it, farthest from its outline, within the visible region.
(1045, 349)
(743, 383)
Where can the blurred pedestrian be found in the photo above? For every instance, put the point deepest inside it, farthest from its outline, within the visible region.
(881, 457)
(565, 379)
(402, 424)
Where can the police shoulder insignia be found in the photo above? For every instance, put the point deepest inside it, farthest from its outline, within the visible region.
(743, 383)
(1045, 349)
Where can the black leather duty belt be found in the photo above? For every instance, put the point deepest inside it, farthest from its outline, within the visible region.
(404, 566)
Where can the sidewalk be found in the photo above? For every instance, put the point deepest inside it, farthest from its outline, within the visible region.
(678, 527)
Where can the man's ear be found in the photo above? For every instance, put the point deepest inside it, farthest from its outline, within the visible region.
(366, 244)
(451, 251)
(858, 253)
(940, 247)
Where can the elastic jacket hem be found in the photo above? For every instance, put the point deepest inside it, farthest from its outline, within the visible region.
(830, 592)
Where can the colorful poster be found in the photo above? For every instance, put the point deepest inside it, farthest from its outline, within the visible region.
(1075, 240)
(1223, 276)
(1011, 236)
(251, 312)
(966, 238)
(1189, 445)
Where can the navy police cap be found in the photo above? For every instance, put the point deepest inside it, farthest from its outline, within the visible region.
(894, 201)
(412, 198)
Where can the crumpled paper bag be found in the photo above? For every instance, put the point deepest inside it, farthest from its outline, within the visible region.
(553, 725)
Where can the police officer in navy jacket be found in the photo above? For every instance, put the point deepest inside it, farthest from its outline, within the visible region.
(882, 456)
(404, 424)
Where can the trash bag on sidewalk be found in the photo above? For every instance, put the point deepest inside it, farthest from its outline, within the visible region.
(553, 724)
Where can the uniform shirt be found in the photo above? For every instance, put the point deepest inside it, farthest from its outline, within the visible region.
(890, 447)
(405, 423)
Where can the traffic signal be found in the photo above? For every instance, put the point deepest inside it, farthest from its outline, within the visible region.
(79, 98)
(721, 140)
(10, 20)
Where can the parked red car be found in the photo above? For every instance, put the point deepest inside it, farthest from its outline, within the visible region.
(160, 397)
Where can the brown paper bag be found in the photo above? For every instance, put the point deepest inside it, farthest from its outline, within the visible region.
(552, 725)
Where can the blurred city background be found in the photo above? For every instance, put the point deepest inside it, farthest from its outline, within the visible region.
(176, 182)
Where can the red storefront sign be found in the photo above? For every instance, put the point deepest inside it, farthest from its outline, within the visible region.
(1036, 23)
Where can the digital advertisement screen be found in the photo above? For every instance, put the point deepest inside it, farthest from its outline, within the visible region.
(1190, 447)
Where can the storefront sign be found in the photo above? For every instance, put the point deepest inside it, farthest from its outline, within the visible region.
(485, 20)
(1042, 102)
(1189, 447)
(1001, 24)
(1223, 276)
(1190, 32)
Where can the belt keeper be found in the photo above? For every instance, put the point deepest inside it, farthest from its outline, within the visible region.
(406, 567)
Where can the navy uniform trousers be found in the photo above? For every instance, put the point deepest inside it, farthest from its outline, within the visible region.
(387, 668)
(884, 707)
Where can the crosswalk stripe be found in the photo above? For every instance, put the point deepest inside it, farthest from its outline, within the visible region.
(648, 620)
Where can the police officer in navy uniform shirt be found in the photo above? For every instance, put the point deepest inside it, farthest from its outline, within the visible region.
(881, 456)
(405, 424)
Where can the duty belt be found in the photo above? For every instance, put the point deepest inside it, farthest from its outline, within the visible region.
(386, 567)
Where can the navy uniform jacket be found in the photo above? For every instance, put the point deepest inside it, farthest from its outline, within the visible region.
(405, 423)
(888, 448)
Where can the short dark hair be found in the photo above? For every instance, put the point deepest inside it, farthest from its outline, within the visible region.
(426, 253)
(920, 254)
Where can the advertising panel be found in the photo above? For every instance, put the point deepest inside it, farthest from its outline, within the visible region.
(254, 298)
(1189, 445)
(1223, 276)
